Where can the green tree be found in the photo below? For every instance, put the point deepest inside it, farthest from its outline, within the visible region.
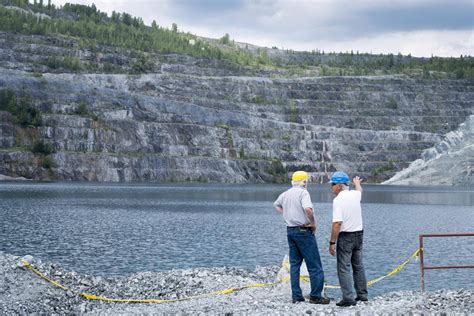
(460, 73)
(242, 152)
(48, 162)
(21, 109)
(392, 103)
(225, 39)
(115, 17)
(82, 109)
(40, 147)
(126, 19)
(391, 61)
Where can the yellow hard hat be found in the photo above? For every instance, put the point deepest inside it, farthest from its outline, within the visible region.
(300, 176)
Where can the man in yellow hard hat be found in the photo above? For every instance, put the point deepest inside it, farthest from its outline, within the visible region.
(297, 209)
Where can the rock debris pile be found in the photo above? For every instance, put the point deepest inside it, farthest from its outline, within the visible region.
(23, 292)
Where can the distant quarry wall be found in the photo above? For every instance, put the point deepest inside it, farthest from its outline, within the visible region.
(192, 120)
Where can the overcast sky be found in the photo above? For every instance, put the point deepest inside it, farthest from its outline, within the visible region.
(419, 27)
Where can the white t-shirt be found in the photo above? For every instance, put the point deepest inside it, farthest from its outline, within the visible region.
(293, 202)
(346, 209)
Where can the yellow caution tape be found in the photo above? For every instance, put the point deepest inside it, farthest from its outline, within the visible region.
(305, 278)
(28, 265)
(396, 270)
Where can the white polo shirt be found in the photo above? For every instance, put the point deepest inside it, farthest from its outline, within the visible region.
(293, 202)
(346, 209)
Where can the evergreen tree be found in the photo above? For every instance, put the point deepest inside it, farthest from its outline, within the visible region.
(225, 39)
(126, 18)
(115, 17)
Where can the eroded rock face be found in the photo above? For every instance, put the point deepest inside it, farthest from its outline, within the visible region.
(197, 121)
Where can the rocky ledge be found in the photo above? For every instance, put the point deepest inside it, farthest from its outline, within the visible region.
(23, 292)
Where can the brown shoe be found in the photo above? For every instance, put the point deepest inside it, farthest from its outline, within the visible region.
(319, 300)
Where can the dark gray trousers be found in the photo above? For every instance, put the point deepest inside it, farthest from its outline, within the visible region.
(349, 255)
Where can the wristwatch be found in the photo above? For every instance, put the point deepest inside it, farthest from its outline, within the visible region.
(332, 243)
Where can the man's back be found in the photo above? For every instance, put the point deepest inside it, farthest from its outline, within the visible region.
(347, 209)
(293, 202)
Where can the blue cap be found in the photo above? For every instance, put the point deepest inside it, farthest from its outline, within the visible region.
(339, 177)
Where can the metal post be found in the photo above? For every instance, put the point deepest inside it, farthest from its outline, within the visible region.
(422, 263)
(422, 266)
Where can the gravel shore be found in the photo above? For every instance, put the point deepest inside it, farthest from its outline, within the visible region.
(23, 292)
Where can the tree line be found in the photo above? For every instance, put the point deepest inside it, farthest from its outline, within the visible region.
(92, 27)
(120, 29)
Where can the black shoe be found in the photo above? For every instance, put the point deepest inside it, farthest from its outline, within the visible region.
(298, 300)
(361, 299)
(319, 300)
(345, 303)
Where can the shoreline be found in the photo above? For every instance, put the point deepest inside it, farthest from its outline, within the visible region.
(25, 292)
(9, 179)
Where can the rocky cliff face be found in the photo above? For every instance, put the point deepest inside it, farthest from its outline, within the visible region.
(199, 120)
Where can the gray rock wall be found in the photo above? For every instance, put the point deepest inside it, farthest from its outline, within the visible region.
(197, 121)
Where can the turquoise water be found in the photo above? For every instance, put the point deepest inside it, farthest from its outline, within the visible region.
(119, 229)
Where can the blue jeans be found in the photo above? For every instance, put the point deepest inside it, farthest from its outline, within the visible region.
(303, 245)
(349, 254)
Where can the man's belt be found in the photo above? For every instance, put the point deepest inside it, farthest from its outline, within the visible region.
(298, 227)
(358, 232)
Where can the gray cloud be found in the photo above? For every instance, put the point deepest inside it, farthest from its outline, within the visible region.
(337, 20)
(202, 8)
(434, 15)
(221, 15)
